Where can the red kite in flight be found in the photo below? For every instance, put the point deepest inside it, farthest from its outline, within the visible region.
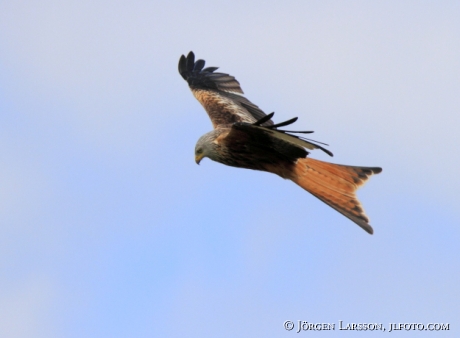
(245, 137)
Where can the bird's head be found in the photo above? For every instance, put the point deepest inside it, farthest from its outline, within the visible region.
(207, 147)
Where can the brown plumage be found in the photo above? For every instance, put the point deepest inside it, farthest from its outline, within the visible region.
(218, 93)
(245, 137)
(335, 185)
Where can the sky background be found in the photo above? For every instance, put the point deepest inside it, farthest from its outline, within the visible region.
(108, 228)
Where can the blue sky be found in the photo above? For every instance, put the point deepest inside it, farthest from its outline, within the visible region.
(108, 228)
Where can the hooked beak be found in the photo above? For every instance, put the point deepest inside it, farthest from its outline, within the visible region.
(198, 158)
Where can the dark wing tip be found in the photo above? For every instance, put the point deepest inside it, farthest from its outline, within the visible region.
(199, 64)
(190, 61)
(285, 123)
(264, 119)
(186, 65)
(274, 127)
(199, 77)
(210, 69)
(325, 150)
(183, 67)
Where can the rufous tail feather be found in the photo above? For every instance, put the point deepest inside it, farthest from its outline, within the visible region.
(335, 185)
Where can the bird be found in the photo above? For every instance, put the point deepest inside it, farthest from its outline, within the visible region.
(246, 137)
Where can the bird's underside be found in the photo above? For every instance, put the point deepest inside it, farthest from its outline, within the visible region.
(245, 137)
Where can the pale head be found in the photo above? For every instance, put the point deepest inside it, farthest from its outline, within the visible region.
(206, 147)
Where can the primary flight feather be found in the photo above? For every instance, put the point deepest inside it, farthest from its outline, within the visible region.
(245, 137)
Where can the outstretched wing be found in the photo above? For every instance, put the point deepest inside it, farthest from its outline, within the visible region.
(282, 136)
(218, 93)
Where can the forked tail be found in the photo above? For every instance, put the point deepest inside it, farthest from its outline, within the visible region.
(335, 185)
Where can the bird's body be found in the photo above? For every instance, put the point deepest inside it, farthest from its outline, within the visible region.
(236, 148)
(245, 137)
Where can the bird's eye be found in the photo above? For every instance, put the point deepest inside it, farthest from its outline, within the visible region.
(199, 151)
